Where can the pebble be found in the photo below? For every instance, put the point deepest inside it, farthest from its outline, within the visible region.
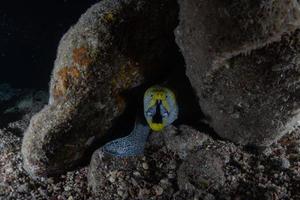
(281, 163)
(70, 198)
(209, 197)
(285, 163)
(23, 188)
(143, 192)
(112, 179)
(3, 190)
(50, 180)
(145, 166)
(136, 173)
(120, 193)
(134, 182)
(56, 188)
(171, 175)
(164, 182)
(172, 166)
(158, 190)
(60, 197)
(261, 167)
(67, 188)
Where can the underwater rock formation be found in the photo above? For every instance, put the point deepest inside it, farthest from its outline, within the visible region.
(135, 175)
(112, 49)
(243, 61)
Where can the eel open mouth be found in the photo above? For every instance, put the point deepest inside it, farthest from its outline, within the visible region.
(157, 118)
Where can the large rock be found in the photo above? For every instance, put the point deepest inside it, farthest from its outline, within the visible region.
(202, 170)
(183, 140)
(242, 59)
(112, 49)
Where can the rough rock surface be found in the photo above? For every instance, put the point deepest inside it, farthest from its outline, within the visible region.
(246, 174)
(204, 169)
(145, 177)
(112, 49)
(213, 170)
(243, 61)
(184, 140)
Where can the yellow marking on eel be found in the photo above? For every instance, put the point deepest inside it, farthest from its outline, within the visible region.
(156, 126)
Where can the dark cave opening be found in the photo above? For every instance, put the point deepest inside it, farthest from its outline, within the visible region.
(190, 112)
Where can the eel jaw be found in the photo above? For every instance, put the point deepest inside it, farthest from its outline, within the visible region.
(156, 126)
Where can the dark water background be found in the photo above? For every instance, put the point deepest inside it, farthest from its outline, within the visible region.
(29, 36)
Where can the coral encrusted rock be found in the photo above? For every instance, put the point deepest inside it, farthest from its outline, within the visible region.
(243, 61)
(112, 49)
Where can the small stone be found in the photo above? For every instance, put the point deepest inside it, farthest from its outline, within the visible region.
(143, 192)
(145, 166)
(67, 188)
(3, 190)
(134, 182)
(60, 197)
(50, 180)
(209, 197)
(267, 151)
(172, 166)
(171, 175)
(158, 190)
(23, 188)
(164, 182)
(55, 188)
(120, 193)
(285, 163)
(112, 179)
(136, 173)
(261, 167)
(282, 163)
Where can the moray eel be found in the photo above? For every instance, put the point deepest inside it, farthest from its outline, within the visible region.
(160, 110)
